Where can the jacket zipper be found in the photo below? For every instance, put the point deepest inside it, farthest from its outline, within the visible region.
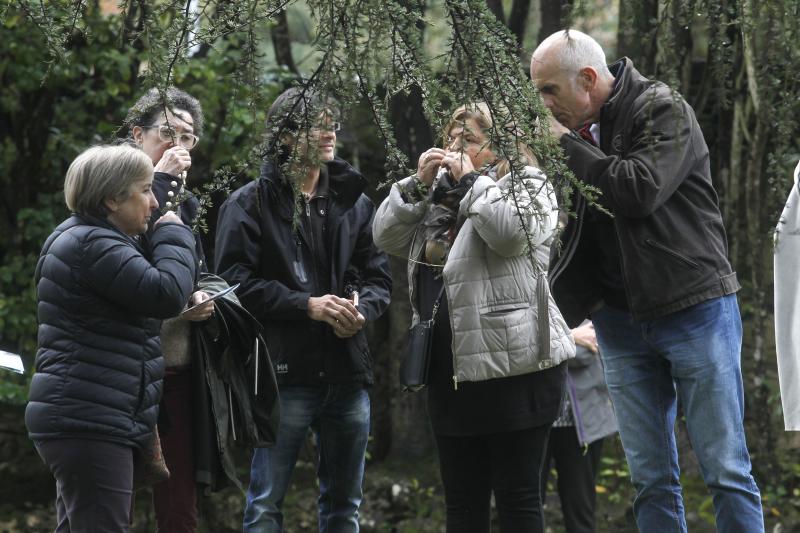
(230, 407)
(673, 253)
(313, 243)
(255, 379)
(452, 341)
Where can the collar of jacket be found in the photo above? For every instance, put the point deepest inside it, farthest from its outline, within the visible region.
(345, 184)
(91, 220)
(628, 86)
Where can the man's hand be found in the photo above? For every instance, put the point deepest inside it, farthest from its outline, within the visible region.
(557, 129)
(174, 161)
(201, 313)
(584, 335)
(340, 313)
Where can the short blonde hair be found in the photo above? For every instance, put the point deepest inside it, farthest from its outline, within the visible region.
(482, 114)
(103, 173)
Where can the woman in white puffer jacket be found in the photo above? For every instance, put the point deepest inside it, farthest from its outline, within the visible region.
(478, 238)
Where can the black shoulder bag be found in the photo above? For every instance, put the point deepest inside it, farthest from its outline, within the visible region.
(417, 354)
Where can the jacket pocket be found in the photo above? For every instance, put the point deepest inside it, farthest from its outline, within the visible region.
(672, 253)
(507, 329)
(503, 309)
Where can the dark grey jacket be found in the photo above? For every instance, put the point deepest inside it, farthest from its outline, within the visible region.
(588, 395)
(652, 167)
(99, 367)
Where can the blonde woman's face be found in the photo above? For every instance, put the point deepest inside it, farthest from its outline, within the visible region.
(468, 138)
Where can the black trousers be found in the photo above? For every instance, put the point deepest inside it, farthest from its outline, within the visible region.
(94, 484)
(508, 464)
(576, 477)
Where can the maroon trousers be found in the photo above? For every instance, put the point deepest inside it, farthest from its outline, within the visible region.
(175, 500)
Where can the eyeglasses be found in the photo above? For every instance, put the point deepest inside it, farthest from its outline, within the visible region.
(169, 134)
(331, 126)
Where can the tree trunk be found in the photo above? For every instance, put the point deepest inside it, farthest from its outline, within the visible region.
(682, 35)
(282, 43)
(411, 433)
(518, 19)
(552, 16)
(496, 7)
(400, 420)
(412, 129)
(638, 24)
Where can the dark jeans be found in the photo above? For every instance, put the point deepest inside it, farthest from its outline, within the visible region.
(339, 414)
(576, 477)
(175, 500)
(508, 464)
(94, 484)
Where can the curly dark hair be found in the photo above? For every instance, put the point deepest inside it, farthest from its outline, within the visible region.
(150, 105)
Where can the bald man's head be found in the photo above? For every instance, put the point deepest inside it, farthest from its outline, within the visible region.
(570, 70)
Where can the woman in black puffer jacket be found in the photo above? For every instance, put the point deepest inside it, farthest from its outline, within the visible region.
(94, 398)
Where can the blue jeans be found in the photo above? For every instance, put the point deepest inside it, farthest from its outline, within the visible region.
(694, 355)
(339, 414)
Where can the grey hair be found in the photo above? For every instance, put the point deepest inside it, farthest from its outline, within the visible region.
(576, 50)
(151, 104)
(103, 173)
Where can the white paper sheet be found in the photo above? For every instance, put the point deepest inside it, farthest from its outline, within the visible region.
(11, 361)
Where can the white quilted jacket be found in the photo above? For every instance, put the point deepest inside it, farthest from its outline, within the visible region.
(494, 292)
(787, 305)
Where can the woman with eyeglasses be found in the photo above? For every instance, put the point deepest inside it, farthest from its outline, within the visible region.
(167, 126)
(477, 238)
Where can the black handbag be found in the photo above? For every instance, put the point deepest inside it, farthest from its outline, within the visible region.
(417, 353)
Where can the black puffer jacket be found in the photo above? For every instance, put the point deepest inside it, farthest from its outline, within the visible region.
(653, 169)
(259, 246)
(99, 367)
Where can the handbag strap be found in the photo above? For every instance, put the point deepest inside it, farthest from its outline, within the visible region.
(436, 304)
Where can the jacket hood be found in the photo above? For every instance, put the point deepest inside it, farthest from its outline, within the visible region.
(346, 184)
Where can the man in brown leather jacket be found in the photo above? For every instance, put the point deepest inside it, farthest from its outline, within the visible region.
(655, 278)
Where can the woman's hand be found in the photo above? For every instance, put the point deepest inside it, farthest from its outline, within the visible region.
(428, 165)
(458, 164)
(169, 216)
(201, 313)
(585, 336)
(174, 161)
